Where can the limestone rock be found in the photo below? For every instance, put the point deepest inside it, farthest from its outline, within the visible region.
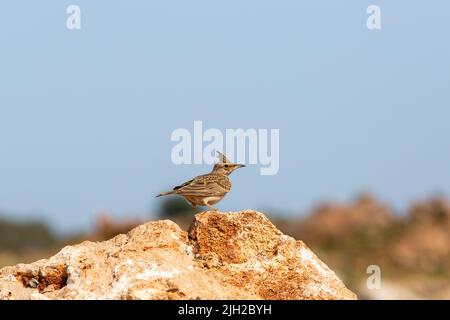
(238, 255)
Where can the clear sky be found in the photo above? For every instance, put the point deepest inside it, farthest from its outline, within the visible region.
(86, 115)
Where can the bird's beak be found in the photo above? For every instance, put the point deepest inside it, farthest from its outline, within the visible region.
(240, 165)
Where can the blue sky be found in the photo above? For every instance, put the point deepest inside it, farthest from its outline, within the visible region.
(86, 116)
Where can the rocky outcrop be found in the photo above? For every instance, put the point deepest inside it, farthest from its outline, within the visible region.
(237, 255)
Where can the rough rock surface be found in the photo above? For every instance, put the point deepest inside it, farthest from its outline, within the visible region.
(237, 255)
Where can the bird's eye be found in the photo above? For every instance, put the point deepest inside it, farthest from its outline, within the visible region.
(226, 166)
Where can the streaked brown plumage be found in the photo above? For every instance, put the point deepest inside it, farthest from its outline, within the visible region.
(207, 189)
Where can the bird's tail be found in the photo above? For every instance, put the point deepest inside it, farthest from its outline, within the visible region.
(164, 194)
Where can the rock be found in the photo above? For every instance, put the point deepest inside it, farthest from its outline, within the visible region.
(237, 255)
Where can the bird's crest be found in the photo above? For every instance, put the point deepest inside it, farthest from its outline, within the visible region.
(222, 158)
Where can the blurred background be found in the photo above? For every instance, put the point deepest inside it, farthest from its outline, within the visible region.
(86, 117)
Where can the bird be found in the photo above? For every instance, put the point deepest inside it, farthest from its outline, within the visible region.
(208, 189)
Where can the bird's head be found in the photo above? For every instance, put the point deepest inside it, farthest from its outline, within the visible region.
(224, 166)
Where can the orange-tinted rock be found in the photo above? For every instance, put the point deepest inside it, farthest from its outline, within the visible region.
(225, 256)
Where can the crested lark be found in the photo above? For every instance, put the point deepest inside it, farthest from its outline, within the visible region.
(207, 189)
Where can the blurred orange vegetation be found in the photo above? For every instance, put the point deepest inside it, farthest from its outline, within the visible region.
(412, 249)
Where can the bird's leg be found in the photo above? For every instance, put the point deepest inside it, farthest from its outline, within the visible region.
(212, 208)
(195, 208)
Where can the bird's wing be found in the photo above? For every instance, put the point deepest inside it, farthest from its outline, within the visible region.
(201, 186)
(183, 185)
